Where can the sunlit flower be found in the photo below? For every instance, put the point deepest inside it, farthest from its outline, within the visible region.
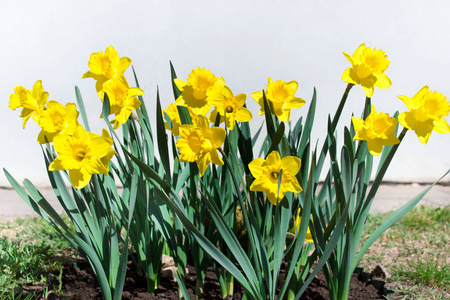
(122, 99)
(174, 116)
(199, 143)
(57, 119)
(281, 95)
(378, 130)
(104, 66)
(231, 107)
(82, 154)
(267, 172)
(427, 110)
(31, 102)
(201, 87)
(294, 231)
(367, 69)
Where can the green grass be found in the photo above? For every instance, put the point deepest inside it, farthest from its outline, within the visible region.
(32, 254)
(415, 251)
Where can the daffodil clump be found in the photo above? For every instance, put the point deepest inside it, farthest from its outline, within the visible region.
(107, 69)
(81, 153)
(209, 197)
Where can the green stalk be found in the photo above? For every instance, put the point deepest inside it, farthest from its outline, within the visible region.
(368, 202)
(382, 172)
(230, 284)
(367, 108)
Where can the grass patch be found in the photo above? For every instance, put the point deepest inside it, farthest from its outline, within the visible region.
(414, 251)
(32, 254)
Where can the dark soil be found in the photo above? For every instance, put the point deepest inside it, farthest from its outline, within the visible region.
(79, 282)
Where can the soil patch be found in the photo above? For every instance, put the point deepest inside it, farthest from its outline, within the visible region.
(79, 282)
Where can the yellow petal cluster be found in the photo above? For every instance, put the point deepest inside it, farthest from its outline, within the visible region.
(427, 110)
(107, 69)
(31, 102)
(231, 108)
(267, 172)
(82, 154)
(368, 67)
(57, 119)
(280, 96)
(104, 66)
(198, 143)
(201, 87)
(377, 130)
(122, 99)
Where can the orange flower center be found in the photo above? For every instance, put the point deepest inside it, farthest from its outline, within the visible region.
(80, 155)
(274, 176)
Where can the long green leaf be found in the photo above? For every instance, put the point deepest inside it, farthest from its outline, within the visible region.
(162, 138)
(397, 215)
(81, 108)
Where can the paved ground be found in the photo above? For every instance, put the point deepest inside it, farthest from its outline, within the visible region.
(389, 197)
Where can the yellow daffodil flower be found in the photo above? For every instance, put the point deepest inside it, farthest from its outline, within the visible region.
(201, 87)
(123, 99)
(232, 107)
(367, 69)
(57, 119)
(294, 231)
(104, 66)
(82, 154)
(31, 102)
(281, 95)
(378, 130)
(267, 172)
(427, 110)
(172, 112)
(199, 143)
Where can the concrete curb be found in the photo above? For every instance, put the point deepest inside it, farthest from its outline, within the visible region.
(389, 197)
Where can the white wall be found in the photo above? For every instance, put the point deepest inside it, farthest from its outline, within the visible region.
(243, 41)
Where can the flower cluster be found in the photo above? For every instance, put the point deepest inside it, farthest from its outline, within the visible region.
(198, 141)
(80, 152)
(426, 113)
(107, 69)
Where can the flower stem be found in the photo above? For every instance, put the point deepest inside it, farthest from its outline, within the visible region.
(341, 105)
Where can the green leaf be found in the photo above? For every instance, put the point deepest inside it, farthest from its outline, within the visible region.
(306, 132)
(176, 91)
(176, 206)
(270, 124)
(81, 108)
(185, 117)
(277, 138)
(122, 269)
(162, 138)
(397, 215)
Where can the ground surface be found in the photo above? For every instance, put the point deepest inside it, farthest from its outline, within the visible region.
(79, 283)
